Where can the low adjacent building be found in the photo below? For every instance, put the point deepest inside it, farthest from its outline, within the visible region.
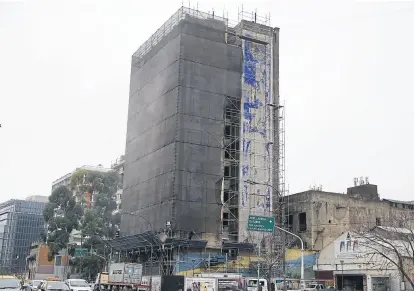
(66, 179)
(40, 268)
(319, 217)
(38, 198)
(364, 262)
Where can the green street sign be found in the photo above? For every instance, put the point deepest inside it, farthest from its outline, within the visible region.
(81, 252)
(261, 223)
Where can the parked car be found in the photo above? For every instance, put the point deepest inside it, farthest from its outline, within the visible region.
(78, 285)
(54, 285)
(35, 284)
(315, 287)
(10, 283)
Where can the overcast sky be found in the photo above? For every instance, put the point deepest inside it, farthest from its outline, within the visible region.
(346, 75)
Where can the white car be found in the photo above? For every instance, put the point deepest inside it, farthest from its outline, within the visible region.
(9, 283)
(315, 287)
(34, 284)
(78, 285)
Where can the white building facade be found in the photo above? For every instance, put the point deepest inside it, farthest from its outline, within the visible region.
(118, 166)
(66, 179)
(354, 265)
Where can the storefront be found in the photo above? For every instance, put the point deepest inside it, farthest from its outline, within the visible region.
(353, 268)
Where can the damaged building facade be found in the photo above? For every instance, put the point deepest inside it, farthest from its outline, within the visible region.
(320, 217)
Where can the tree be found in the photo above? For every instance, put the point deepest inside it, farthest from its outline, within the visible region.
(62, 215)
(391, 246)
(78, 184)
(271, 255)
(103, 187)
(98, 223)
(88, 266)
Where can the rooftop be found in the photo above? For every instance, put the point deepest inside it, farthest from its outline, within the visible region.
(349, 195)
(98, 168)
(395, 229)
(38, 198)
(399, 201)
(185, 12)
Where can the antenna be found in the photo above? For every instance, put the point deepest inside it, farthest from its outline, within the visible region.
(355, 181)
(367, 180)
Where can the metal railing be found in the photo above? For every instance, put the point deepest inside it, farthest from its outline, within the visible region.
(168, 26)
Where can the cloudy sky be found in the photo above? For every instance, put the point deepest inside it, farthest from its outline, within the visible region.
(346, 75)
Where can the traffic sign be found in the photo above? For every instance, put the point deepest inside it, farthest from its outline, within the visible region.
(261, 223)
(81, 252)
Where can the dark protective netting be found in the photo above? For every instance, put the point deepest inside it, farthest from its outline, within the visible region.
(174, 161)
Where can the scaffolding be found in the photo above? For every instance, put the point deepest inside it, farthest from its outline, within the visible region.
(265, 160)
(162, 255)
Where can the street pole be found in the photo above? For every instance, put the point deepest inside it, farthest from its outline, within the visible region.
(302, 253)
(341, 262)
(283, 246)
(259, 256)
(193, 267)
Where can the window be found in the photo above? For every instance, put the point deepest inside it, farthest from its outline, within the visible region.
(289, 222)
(233, 254)
(227, 130)
(302, 219)
(226, 171)
(225, 218)
(378, 223)
(58, 260)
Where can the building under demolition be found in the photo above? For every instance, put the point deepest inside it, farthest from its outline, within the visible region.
(205, 134)
(319, 217)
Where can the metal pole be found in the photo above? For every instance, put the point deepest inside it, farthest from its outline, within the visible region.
(193, 267)
(341, 262)
(302, 253)
(226, 258)
(259, 256)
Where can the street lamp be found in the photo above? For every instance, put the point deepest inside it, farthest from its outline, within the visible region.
(274, 189)
(302, 252)
(102, 257)
(140, 216)
(342, 262)
(149, 223)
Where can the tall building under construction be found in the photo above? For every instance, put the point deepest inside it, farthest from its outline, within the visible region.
(205, 133)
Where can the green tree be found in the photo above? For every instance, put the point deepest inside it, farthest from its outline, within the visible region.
(93, 223)
(62, 215)
(78, 185)
(104, 187)
(88, 266)
(98, 223)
